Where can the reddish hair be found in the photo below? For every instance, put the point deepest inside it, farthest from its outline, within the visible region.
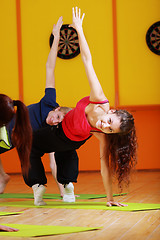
(22, 132)
(123, 155)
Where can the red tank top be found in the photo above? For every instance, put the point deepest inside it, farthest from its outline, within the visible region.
(75, 124)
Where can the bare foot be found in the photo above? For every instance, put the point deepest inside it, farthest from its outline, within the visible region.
(3, 182)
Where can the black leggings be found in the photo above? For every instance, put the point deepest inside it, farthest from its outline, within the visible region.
(53, 139)
(67, 166)
(67, 169)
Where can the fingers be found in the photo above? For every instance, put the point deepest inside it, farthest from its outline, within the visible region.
(13, 230)
(112, 203)
(57, 26)
(109, 204)
(60, 22)
(124, 205)
(73, 13)
(77, 13)
(8, 229)
(83, 16)
(60, 19)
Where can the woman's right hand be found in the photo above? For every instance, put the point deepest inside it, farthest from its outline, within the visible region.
(77, 19)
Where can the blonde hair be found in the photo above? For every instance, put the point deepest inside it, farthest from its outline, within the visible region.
(65, 110)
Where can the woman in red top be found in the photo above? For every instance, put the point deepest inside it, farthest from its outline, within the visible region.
(114, 129)
(119, 138)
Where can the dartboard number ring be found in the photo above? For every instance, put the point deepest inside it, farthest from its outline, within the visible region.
(68, 44)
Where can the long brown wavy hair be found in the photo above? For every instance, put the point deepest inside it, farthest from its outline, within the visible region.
(123, 148)
(22, 131)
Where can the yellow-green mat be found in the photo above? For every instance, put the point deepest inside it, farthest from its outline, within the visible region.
(55, 196)
(84, 205)
(41, 230)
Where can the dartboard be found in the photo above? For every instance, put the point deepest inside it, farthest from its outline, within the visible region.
(153, 38)
(68, 44)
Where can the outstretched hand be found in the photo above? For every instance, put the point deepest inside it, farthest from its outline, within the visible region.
(113, 203)
(57, 27)
(77, 19)
(8, 229)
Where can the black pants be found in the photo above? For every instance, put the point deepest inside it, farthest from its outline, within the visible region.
(67, 166)
(67, 169)
(53, 139)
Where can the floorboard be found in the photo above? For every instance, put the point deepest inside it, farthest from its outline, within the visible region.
(116, 225)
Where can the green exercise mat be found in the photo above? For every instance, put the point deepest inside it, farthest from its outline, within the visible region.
(84, 205)
(55, 196)
(9, 213)
(41, 230)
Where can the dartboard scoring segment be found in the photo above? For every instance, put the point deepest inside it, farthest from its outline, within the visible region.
(68, 45)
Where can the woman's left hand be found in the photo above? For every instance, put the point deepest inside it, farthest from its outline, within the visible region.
(113, 203)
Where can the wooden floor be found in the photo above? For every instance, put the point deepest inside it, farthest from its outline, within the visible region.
(116, 225)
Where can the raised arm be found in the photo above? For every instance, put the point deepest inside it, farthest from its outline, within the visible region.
(51, 61)
(96, 93)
